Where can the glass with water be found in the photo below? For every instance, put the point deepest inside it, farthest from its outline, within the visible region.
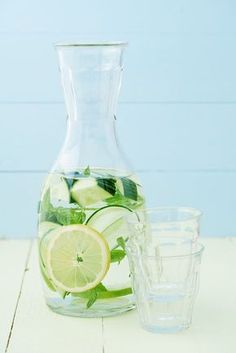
(164, 257)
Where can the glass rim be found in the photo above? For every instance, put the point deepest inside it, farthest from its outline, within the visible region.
(194, 213)
(198, 251)
(91, 44)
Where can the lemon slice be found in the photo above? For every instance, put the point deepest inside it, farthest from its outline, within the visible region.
(78, 258)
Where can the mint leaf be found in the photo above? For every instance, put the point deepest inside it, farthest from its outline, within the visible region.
(108, 184)
(62, 215)
(119, 199)
(87, 171)
(103, 294)
(92, 294)
(46, 209)
(45, 203)
(65, 294)
(121, 242)
(117, 255)
(70, 182)
(130, 188)
(66, 216)
(100, 288)
(92, 298)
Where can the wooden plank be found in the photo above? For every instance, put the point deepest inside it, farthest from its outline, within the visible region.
(37, 329)
(13, 257)
(213, 328)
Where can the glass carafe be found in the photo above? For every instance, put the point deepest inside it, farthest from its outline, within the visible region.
(81, 230)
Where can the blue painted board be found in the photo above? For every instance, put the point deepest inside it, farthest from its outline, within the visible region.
(19, 201)
(102, 16)
(158, 67)
(213, 193)
(180, 52)
(154, 136)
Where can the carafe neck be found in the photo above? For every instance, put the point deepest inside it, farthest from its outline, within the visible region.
(91, 79)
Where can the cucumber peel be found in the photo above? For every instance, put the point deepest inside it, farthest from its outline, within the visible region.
(109, 221)
(87, 192)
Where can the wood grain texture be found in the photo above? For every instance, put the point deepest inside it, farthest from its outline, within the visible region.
(213, 328)
(37, 329)
(13, 263)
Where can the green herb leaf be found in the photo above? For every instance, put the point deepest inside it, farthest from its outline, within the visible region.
(92, 294)
(105, 294)
(117, 255)
(130, 188)
(45, 203)
(65, 294)
(121, 242)
(66, 216)
(119, 199)
(46, 209)
(108, 184)
(100, 288)
(62, 215)
(92, 298)
(70, 182)
(87, 171)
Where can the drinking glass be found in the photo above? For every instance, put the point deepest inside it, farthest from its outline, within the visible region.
(164, 258)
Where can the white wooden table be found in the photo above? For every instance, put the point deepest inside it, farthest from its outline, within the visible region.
(28, 326)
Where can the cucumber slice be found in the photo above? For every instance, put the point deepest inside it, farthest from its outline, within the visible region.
(109, 221)
(44, 274)
(58, 188)
(46, 227)
(128, 188)
(45, 230)
(87, 192)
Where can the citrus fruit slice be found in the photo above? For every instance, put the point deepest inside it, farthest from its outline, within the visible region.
(78, 258)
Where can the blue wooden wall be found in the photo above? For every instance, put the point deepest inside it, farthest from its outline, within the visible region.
(179, 91)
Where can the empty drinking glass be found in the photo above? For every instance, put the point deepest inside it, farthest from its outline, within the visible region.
(164, 259)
